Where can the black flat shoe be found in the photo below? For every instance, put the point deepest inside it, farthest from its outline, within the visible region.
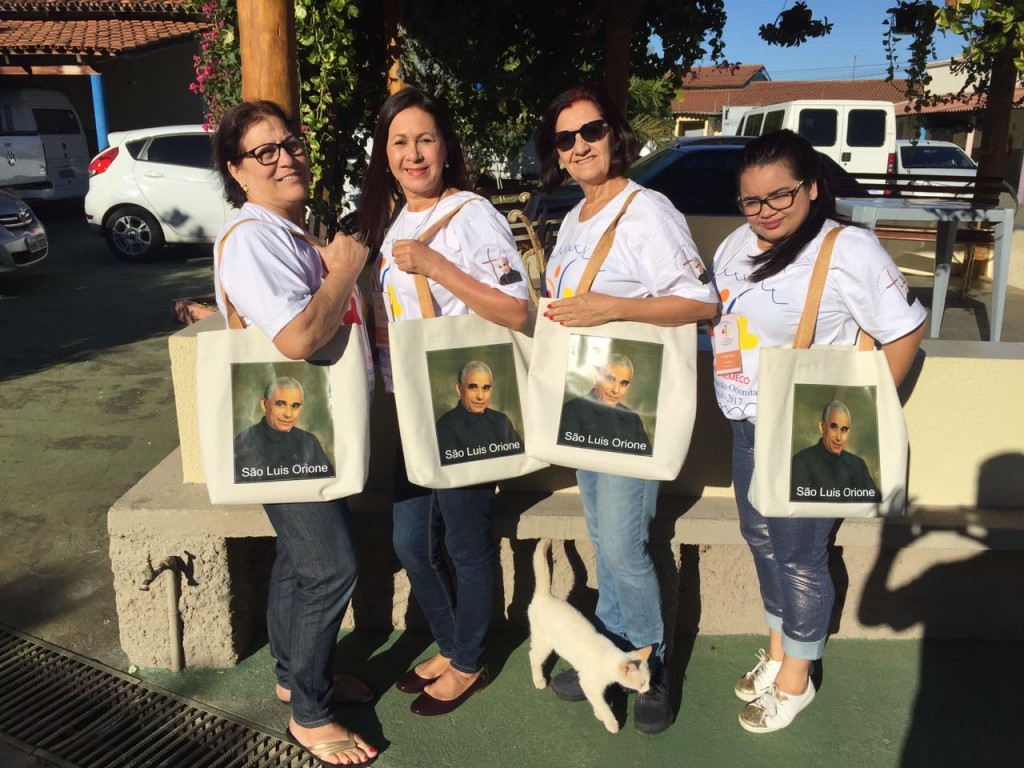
(410, 682)
(427, 706)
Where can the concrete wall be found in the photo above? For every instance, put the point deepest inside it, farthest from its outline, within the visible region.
(919, 576)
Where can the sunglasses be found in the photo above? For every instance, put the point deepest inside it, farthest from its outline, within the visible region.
(593, 131)
(267, 154)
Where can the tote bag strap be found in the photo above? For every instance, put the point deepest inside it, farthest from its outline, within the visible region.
(422, 286)
(604, 245)
(234, 319)
(809, 317)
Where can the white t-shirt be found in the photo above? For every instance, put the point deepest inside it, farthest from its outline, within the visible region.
(652, 254)
(478, 240)
(269, 275)
(863, 289)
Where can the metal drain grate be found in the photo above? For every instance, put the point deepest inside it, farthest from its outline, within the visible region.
(91, 716)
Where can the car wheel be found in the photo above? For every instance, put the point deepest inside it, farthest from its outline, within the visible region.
(134, 234)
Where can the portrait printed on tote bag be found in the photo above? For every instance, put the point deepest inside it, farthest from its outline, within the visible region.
(610, 401)
(475, 397)
(834, 449)
(282, 422)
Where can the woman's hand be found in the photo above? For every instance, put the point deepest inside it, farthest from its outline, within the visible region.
(344, 257)
(583, 310)
(586, 309)
(414, 257)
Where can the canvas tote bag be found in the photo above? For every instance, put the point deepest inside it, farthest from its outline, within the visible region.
(647, 433)
(445, 444)
(253, 448)
(816, 400)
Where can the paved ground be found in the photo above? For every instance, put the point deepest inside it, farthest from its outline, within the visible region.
(87, 409)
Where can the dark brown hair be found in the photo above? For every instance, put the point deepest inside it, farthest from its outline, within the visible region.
(227, 141)
(624, 147)
(380, 192)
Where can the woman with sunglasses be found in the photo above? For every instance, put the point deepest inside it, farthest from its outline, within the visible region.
(763, 272)
(652, 274)
(417, 178)
(297, 295)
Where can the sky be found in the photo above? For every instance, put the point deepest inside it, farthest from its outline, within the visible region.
(853, 50)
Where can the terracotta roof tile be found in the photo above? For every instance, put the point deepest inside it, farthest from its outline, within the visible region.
(94, 6)
(971, 103)
(711, 102)
(724, 76)
(101, 37)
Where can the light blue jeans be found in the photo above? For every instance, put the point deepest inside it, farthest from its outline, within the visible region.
(791, 558)
(618, 511)
(311, 583)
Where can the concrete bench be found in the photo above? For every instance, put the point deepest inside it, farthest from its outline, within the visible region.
(954, 567)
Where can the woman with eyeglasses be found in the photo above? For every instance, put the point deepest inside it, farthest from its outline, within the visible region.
(417, 178)
(762, 272)
(296, 294)
(652, 274)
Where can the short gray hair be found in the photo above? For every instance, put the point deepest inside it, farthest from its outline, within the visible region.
(837, 406)
(474, 366)
(282, 381)
(616, 359)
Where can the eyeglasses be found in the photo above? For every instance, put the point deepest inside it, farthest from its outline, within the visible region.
(595, 130)
(777, 201)
(267, 154)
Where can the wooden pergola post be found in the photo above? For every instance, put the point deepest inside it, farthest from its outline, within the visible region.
(392, 13)
(266, 43)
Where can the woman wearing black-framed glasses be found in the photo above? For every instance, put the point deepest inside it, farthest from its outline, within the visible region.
(297, 294)
(652, 274)
(763, 271)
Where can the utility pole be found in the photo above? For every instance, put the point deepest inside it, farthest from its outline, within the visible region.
(266, 42)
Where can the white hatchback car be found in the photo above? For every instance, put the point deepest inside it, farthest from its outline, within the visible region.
(154, 186)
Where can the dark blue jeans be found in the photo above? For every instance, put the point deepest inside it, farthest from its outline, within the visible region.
(457, 605)
(311, 584)
(791, 558)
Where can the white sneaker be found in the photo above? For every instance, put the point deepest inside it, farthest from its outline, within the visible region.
(759, 679)
(774, 710)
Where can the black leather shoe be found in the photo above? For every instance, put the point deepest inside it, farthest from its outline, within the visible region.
(652, 712)
(566, 686)
(410, 682)
(427, 706)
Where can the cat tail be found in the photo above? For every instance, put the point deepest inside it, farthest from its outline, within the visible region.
(541, 571)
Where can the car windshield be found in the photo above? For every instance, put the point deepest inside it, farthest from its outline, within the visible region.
(936, 157)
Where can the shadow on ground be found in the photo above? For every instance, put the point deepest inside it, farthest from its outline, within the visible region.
(82, 299)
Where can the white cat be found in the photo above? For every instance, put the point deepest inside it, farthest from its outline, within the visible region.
(557, 626)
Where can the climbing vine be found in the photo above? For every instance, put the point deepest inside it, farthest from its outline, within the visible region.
(334, 41)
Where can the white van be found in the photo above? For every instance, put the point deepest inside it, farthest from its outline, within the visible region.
(42, 141)
(859, 135)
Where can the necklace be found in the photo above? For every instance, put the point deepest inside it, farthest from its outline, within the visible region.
(423, 224)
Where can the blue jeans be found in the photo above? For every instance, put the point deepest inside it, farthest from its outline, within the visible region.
(457, 605)
(311, 583)
(618, 511)
(791, 558)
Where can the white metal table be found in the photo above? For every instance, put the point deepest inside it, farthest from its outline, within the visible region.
(947, 214)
